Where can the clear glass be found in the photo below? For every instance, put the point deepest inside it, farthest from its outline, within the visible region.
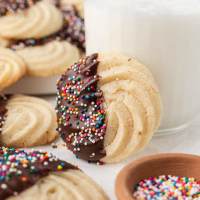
(165, 36)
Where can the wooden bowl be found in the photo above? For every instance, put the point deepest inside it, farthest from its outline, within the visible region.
(161, 164)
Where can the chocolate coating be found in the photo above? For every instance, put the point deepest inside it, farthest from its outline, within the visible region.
(80, 111)
(72, 31)
(20, 170)
(12, 6)
(3, 110)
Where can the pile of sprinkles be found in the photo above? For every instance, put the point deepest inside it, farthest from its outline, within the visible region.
(167, 187)
(73, 30)
(12, 6)
(80, 111)
(19, 169)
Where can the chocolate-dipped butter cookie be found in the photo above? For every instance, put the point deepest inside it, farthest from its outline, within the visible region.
(108, 107)
(37, 175)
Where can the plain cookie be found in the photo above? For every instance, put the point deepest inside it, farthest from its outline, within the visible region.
(49, 59)
(12, 68)
(50, 55)
(26, 121)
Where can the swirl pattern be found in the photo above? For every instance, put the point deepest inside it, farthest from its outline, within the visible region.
(70, 185)
(30, 121)
(40, 20)
(12, 68)
(133, 105)
(49, 59)
(108, 107)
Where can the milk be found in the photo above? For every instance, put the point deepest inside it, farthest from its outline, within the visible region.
(162, 34)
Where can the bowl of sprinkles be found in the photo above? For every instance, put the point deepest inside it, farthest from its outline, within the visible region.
(160, 177)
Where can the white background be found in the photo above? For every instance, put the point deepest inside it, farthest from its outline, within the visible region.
(187, 141)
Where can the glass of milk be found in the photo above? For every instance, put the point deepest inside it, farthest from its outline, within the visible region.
(162, 34)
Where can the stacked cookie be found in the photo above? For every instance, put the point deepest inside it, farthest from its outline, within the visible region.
(39, 38)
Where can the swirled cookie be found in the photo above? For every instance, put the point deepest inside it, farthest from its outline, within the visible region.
(49, 59)
(39, 20)
(12, 68)
(48, 56)
(26, 121)
(37, 175)
(108, 107)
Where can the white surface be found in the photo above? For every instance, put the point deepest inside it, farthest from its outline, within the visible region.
(187, 142)
(164, 35)
(34, 85)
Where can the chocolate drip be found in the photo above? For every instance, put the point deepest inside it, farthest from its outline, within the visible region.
(72, 31)
(81, 116)
(20, 170)
(12, 6)
(3, 110)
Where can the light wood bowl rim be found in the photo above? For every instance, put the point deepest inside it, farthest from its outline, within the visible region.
(121, 189)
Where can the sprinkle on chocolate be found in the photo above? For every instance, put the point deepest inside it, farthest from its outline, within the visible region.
(3, 111)
(20, 170)
(72, 31)
(80, 111)
(12, 6)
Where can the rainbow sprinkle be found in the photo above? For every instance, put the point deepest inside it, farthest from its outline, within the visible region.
(21, 169)
(167, 187)
(80, 110)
